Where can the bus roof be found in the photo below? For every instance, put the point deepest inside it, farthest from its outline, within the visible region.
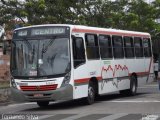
(87, 29)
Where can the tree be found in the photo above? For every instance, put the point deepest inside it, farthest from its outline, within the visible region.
(120, 14)
(10, 10)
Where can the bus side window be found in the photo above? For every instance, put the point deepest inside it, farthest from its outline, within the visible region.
(128, 47)
(78, 51)
(118, 47)
(138, 47)
(105, 46)
(147, 47)
(92, 48)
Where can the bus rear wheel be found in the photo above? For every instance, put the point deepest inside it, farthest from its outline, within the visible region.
(43, 103)
(133, 87)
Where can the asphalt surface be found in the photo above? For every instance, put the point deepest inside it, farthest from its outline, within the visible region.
(144, 106)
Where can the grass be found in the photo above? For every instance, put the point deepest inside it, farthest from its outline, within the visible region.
(4, 84)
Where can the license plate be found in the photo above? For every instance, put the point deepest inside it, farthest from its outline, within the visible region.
(38, 95)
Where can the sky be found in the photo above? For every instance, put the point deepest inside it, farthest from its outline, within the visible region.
(148, 1)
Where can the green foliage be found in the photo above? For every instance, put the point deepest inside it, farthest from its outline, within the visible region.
(120, 14)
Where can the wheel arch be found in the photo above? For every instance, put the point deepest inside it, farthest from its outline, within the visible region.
(95, 82)
(135, 75)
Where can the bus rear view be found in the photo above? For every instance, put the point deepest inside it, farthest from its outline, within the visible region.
(40, 64)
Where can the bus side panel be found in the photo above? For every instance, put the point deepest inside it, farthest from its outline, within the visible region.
(137, 66)
(82, 75)
(141, 67)
(114, 76)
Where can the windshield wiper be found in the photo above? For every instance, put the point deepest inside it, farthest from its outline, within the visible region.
(28, 44)
(45, 48)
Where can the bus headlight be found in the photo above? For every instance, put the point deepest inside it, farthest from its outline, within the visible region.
(66, 79)
(13, 83)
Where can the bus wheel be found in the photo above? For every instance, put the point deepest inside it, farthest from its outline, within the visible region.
(133, 85)
(91, 94)
(43, 103)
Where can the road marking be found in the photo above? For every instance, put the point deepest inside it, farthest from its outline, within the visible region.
(135, 101)
(93, 117)
(27, 103)
(154, 87)
(44, 117)
(19, 104)
(132, 117)
(15, 104)
(59, 116)
(76, 116)
(113, 117)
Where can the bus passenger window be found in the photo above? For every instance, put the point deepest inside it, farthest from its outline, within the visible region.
(118, 47)
(105, 46)
(147, 47)
(128, 47)
(78, 51)
(92, 48)
(138, 47)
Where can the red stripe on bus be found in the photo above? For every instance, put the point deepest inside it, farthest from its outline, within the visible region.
(108, 32)
(141, 73)
(99, 78)
(85, 80)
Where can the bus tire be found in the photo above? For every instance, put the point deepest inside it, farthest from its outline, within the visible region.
(43, 103)
(133, 87)
(91, 94)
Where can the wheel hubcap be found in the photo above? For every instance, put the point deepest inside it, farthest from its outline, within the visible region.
(134, 87)
(91, 94)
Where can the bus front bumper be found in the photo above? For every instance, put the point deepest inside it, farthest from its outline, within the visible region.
(60, 94)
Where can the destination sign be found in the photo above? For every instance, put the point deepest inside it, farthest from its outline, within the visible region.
(47, 31)
(41, 31)
(22, 33)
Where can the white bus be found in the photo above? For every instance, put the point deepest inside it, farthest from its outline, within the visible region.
(58, 62)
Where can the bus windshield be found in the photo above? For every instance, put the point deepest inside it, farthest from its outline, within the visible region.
(40, 57)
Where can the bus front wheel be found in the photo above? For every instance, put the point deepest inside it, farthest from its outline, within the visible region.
(43, 103)
(91, 94)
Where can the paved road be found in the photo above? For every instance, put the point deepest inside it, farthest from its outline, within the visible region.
(146, 105)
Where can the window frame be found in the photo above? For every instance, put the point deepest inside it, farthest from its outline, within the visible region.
(96, 45)
(141, 47)
(122, 47)
(73, 49)
(149, 46)
(111, 47)
(131, 46)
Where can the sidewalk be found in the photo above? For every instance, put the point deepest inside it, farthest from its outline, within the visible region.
(5, 98)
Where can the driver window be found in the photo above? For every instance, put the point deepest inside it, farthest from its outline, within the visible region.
(78, 51)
